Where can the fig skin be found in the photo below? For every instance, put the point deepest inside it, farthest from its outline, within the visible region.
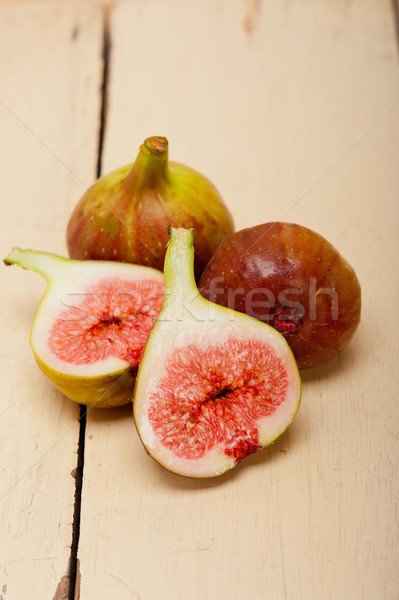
(125, 215)
(292, 278)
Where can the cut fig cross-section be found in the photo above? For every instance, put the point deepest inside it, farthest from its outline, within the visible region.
(214, 385)
(92, 324)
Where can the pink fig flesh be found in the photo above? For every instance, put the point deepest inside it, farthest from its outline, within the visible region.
(114, 318)
(208, 400)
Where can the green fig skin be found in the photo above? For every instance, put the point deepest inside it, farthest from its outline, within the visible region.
(104, 391)
(292, 278)
(125, 215)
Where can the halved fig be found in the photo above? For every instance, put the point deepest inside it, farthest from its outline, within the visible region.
(92, 323)
(214, 385)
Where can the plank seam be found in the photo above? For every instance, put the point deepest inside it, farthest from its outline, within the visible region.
(106, 51)
(74, 572)
(73, 591)
(395, 9)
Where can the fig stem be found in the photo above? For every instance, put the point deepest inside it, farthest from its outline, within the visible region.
(180, 285)
(151, 165)
(44, 263)
(155, 145)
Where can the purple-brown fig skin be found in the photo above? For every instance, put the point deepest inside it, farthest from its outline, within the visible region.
(302, 284)
(126, 214)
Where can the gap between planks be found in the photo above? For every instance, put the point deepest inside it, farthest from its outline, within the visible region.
(69, 586)
(395, 9)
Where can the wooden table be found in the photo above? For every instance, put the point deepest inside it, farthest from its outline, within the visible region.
(291, 107)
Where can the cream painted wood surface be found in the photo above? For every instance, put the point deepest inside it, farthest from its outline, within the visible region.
(292, 109)
(49, 118)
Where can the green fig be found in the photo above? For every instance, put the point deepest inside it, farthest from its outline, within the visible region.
(125, 215)
(213, 385)
(92, 323)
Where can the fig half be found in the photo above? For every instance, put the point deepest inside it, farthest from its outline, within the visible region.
(92, 323)
(125, 215)
(213, 385)
(292, 278)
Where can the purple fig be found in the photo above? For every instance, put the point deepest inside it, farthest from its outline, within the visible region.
(292, 278)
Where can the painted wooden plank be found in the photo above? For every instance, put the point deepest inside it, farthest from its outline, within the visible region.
(291, 108)
(50, 65)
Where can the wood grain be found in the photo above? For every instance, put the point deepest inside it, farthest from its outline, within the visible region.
(292, 109)
(49, 117)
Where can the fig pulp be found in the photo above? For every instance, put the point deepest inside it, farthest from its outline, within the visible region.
(293, 279)
(213, 385)
(125, 215)
(90, 329)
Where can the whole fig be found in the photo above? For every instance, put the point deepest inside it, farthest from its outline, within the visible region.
(125, 215)
(292, 278)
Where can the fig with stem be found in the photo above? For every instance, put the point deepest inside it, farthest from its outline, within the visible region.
(125, 215)
(214, 385)
(92, 323)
